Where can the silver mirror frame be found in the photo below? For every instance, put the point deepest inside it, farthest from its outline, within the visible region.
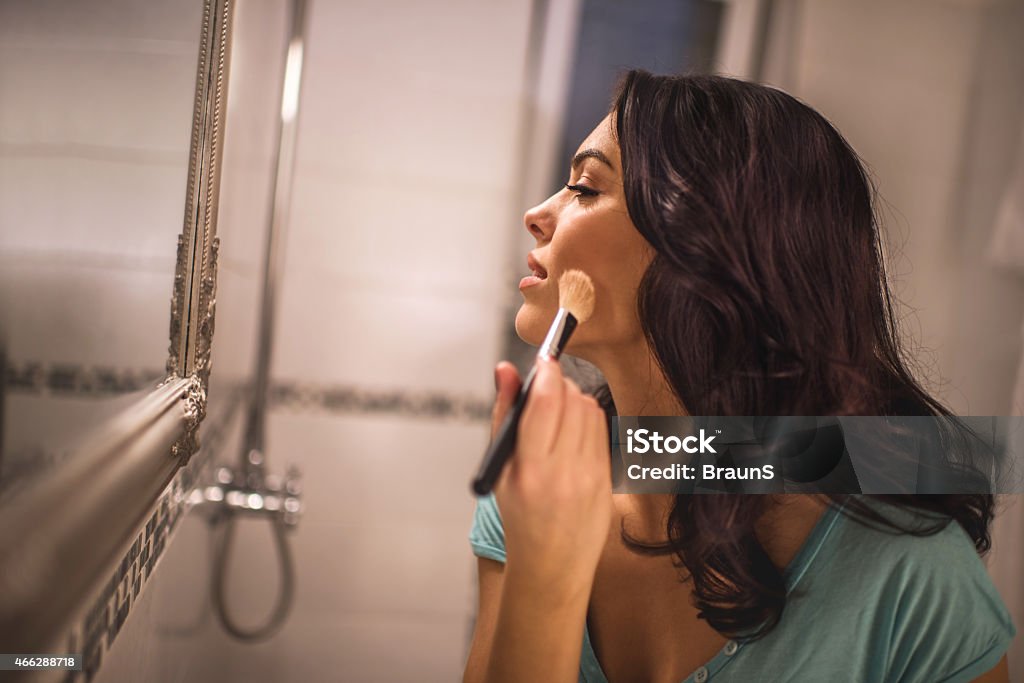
(76, 547)
(193, 300)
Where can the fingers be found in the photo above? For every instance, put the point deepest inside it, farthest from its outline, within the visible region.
(558, 417)
(574, 420)
(595, 440)
(543, 413)
(506, 384)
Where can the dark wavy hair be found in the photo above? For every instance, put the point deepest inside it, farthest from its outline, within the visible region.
(767, 296)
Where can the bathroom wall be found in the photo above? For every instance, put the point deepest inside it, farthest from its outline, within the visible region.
(406, 167)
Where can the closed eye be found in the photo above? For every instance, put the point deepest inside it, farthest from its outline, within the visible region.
(582, 190)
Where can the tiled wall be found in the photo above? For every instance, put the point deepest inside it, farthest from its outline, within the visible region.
(398, 235)
(259, 41)
(399, 223)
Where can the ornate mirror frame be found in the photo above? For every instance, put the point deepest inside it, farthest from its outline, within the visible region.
(77, 546)
(195, 274)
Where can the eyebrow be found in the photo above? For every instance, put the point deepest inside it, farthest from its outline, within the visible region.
(591, 154)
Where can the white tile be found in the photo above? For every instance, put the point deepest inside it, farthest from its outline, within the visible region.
(386, 469)
(891, 96)
(373, 648)
(258, 45)
(443, 107)
(62, 204)
(359, 567)
(368, 648)
(425, 237)
(102, 103)
(244, 214)
(250, 142)
(336, 330)
(169, 20)
(409, 133)
(870, 34)
(64, 312)
(236, 325)
(387, 512)
(461, 38)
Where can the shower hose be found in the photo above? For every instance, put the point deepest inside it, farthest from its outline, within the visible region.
(287, 581)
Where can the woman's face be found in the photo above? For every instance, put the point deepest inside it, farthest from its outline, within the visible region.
(587, 226)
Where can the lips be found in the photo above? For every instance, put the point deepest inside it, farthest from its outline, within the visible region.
(536, 268)
(538, 273)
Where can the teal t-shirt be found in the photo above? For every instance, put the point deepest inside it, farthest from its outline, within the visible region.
(865, 605)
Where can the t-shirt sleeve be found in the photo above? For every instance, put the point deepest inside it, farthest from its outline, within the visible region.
(949, 624)
(487, 536)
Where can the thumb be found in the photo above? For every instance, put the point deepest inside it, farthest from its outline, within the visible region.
(507, 384)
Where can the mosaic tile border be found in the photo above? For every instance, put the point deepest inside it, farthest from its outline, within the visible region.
(33, 377)
(95, 633)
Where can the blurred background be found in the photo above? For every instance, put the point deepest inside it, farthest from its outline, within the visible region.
(422, 132)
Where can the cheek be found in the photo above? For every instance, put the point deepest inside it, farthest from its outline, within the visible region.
(595, 249)
(615, 259)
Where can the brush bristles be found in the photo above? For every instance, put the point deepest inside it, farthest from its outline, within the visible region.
(576, 294)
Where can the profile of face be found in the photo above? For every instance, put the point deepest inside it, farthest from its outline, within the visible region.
(586, 226)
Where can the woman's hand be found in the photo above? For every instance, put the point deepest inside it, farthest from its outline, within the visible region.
(554, 496)
(554, 493)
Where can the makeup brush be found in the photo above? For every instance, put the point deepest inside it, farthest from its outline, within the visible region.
(575, 304)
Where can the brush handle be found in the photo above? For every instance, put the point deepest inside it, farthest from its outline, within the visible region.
(504, 442)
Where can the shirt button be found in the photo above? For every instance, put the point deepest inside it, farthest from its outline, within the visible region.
(700, 675)
(730, 648)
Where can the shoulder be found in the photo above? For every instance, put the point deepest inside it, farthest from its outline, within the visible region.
(930, 595)
(941, 554)
(487, 536)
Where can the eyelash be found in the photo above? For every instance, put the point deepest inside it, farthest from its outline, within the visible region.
(582, 191)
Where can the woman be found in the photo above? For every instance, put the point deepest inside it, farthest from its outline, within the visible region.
(730, 235)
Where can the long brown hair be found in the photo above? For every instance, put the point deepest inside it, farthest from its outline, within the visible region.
(767, 296)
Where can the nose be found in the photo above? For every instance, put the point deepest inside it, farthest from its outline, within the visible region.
(539, 221)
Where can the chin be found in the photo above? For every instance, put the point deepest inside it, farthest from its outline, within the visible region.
(532, 325)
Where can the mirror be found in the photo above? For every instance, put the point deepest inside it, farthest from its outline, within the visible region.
(111, 137)
(96, 116)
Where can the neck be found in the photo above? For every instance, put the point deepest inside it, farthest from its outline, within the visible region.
(637, 384)
(639, 388)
